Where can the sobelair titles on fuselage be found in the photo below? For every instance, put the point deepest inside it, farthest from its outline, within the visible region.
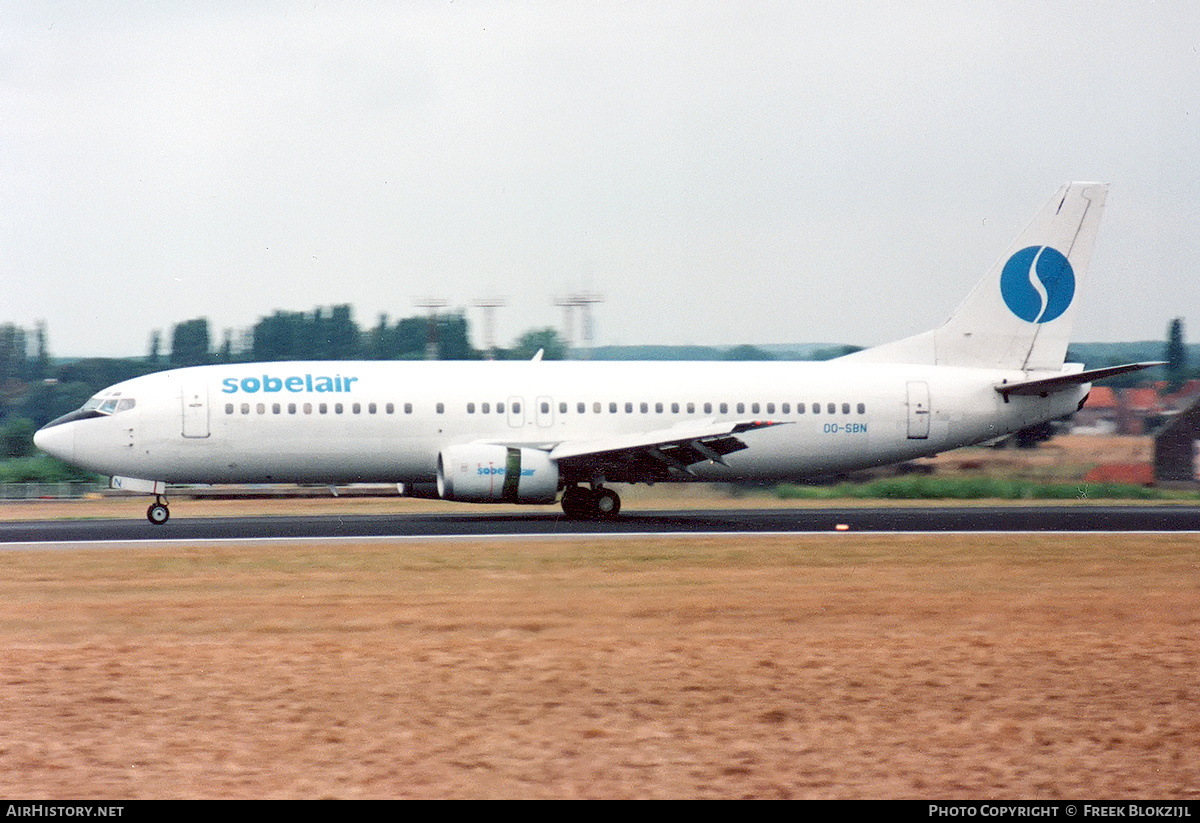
(293, 384)
(539, 432)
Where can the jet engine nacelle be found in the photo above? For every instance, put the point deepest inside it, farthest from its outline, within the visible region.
(496, 474)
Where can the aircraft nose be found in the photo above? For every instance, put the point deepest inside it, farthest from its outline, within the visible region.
(57, 441)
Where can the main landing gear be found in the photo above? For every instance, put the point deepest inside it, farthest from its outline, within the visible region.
(580, 502)
(158, 513)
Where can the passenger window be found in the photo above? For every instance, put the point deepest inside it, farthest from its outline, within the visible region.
(275, 409)
(754, 408)
(229, 408)
(645, 407)
(612, 408)
(440, 408)
(261, 408)
(562, 408)
(724, 408)
(786, 408)
(831, 408)
(499, 408)
(845, 408)
(596, 407)
(674, 408)
(658, 408)
(862, 408)
(390, 408)
(323, 408)
(741, 408)
(337, 408)
(799, 408)
(245, 408)
(357, 408)
(486, 408)
(691, 408)
(407, 408)
(708, 408)
(545, 407)
(629, 408)
(371, 408)
(291, 408)
(308, 408)
(816, 408)
(470, 408)
(516, 408)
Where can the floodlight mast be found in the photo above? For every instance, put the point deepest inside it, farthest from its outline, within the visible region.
(583, 301)
(489, 306)
(432, 304)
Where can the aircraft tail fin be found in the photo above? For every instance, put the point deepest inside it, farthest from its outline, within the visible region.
(1020, 315)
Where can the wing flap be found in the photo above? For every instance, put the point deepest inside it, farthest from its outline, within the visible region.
(659, 454)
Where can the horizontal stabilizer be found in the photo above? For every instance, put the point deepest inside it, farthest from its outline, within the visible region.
(1048, 385)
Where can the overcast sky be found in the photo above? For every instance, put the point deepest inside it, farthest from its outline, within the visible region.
(721, 172)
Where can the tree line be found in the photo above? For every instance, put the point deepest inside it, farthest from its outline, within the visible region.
(35, 388)
(333, 334)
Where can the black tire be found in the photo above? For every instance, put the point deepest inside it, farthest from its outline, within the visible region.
(577, 502)
(158, 514)
(606, 503)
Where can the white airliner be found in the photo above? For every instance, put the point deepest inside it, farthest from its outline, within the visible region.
(537, 432)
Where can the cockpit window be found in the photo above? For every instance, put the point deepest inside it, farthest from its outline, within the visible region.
(102, 405)
(111, 404)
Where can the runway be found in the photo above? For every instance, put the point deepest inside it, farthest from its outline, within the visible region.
(940, 519)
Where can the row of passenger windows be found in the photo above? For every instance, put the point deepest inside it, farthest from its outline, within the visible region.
(544, 408)
(321, 408)
(685, 408)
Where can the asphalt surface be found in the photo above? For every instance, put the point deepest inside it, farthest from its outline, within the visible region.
(1091, 518)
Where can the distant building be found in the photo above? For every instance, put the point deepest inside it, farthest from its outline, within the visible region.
(1099, 414)
(1175, 447)
(1119, 411)
(1173, 418)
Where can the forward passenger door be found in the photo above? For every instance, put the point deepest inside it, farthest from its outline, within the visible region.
(195, 410)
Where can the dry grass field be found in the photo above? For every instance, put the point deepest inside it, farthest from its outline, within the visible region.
(841, 665)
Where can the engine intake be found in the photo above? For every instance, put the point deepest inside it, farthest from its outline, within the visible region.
(496, 474)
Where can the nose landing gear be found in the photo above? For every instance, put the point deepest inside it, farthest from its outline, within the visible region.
(158, 513)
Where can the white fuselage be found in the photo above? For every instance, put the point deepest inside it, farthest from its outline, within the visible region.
(344, 422)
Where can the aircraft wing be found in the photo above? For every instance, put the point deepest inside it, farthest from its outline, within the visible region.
(662, 454)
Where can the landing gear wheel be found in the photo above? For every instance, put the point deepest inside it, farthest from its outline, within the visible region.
(577, 502)
(158, 513)
(606, 503)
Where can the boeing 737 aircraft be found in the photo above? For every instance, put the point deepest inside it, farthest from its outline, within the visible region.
(537, 432)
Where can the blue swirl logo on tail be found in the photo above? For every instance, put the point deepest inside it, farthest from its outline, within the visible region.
(1038, 284)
